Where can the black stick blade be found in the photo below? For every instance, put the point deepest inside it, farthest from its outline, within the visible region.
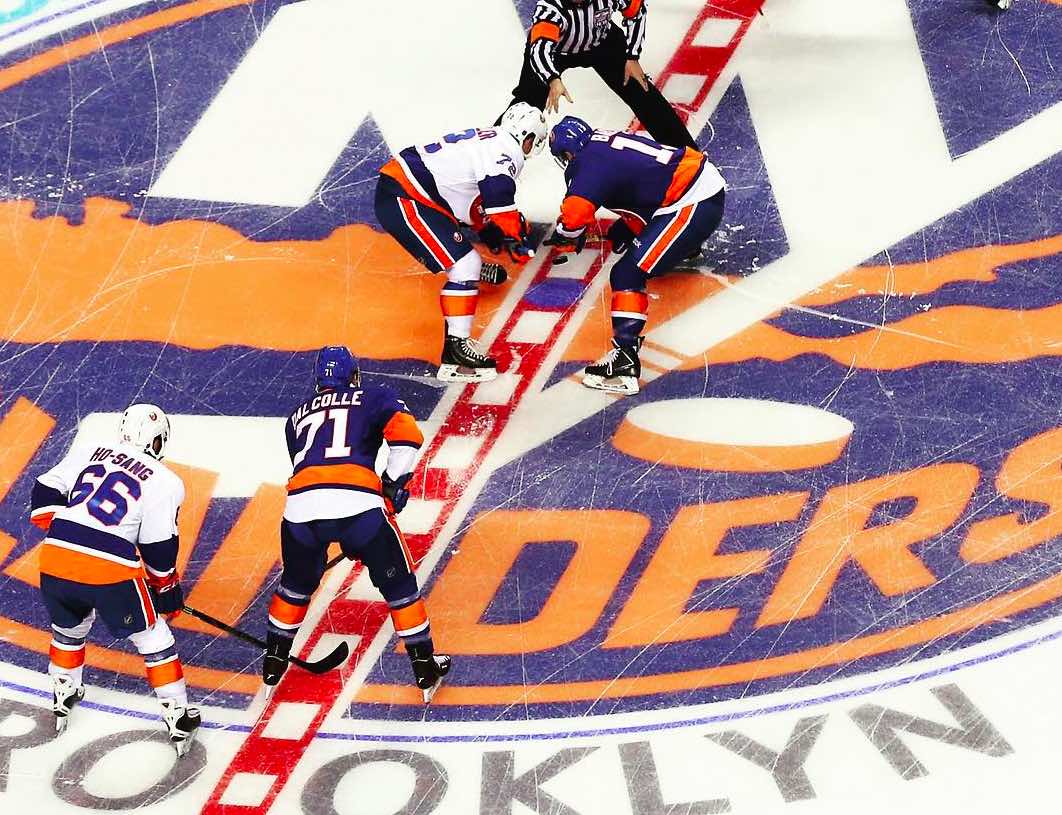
(327, 663)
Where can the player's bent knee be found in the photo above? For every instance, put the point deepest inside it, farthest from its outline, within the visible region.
(626, 275)
(154, 639)
(398, 589)
(466, 270)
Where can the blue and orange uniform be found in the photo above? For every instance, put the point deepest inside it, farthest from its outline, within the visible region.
(669, 199)
(335, 494)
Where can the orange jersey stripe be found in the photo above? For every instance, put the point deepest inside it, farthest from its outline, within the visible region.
(632, 9)
(285, 612)
(353, 475)
(67, 659)
(403, 427)
(688, 167)
(82, 568)
(631, 301)
(577, 212)
(410, 617)
(548, 31)
(395, 171)
(164, 674)
(146, 601)
(665, 240)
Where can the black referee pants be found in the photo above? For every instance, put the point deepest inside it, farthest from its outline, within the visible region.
(609, 59)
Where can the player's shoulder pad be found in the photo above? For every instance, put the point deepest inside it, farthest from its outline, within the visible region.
(167, 478)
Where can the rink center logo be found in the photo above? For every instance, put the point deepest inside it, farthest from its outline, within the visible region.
(699, 594)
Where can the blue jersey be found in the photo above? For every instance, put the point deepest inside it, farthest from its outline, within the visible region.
(631, 175)
(334, 439)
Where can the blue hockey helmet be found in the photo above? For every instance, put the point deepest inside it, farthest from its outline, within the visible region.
(335, 367)
(570, 135)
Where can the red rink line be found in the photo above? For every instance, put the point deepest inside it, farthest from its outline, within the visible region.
(262, 755)
(279, 757)
(704, 61)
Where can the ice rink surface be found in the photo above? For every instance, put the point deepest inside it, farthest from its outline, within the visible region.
(815, 566)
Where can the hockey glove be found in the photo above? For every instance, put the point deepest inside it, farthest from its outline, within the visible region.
(564, 243)
(620, 236)
(166, 593)
(395, 493)
(492, 236)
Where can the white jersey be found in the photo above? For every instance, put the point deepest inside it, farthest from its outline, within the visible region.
(464, 167)
(118, 499)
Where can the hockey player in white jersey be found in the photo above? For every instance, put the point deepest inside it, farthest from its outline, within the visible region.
(426, 194)
(110, 513)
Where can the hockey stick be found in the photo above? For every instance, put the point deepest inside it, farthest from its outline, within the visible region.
(320, 666)
(332, 660)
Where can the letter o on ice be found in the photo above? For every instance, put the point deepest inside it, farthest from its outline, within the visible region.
(68, 782)
(429, 785)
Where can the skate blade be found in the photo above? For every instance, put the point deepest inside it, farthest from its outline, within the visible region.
(626, 385)
(60, 724)
(429, 693)
(455, 373)
(183, 746)
(260, 702)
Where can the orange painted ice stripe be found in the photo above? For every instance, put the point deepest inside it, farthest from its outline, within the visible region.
(98, 40)
(168, 672)
(22, 432)
(66, 659)
(894, 639)
(649, 446)
(403, 427)
(353, 474)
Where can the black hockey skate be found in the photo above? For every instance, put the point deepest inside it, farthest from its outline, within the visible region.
(429, 669)
(275, 662)
(493, 273)
(617, 371)
(65, 696)
(462, 361)
(182, 724)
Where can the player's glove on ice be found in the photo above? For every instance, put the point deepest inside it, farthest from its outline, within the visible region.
(166, 593)
(395, 493)
(565, 243)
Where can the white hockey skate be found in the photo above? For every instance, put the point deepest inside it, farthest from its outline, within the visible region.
(462, 361)
(182, 724)
(65, 696)
(617, 371)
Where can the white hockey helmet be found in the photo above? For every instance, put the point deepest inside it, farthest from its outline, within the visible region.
(147, 428)
(523, 120)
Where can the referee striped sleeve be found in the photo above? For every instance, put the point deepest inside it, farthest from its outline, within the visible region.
(542, 59)
(634, 26)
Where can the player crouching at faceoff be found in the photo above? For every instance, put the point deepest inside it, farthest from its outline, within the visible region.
(669, 201)
(425, 194)
(110, 514)
(334, 494)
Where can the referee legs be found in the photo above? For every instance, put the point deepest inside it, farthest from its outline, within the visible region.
(652, 109)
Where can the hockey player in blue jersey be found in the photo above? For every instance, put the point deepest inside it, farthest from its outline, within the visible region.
(669, 199)
(334, 494)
